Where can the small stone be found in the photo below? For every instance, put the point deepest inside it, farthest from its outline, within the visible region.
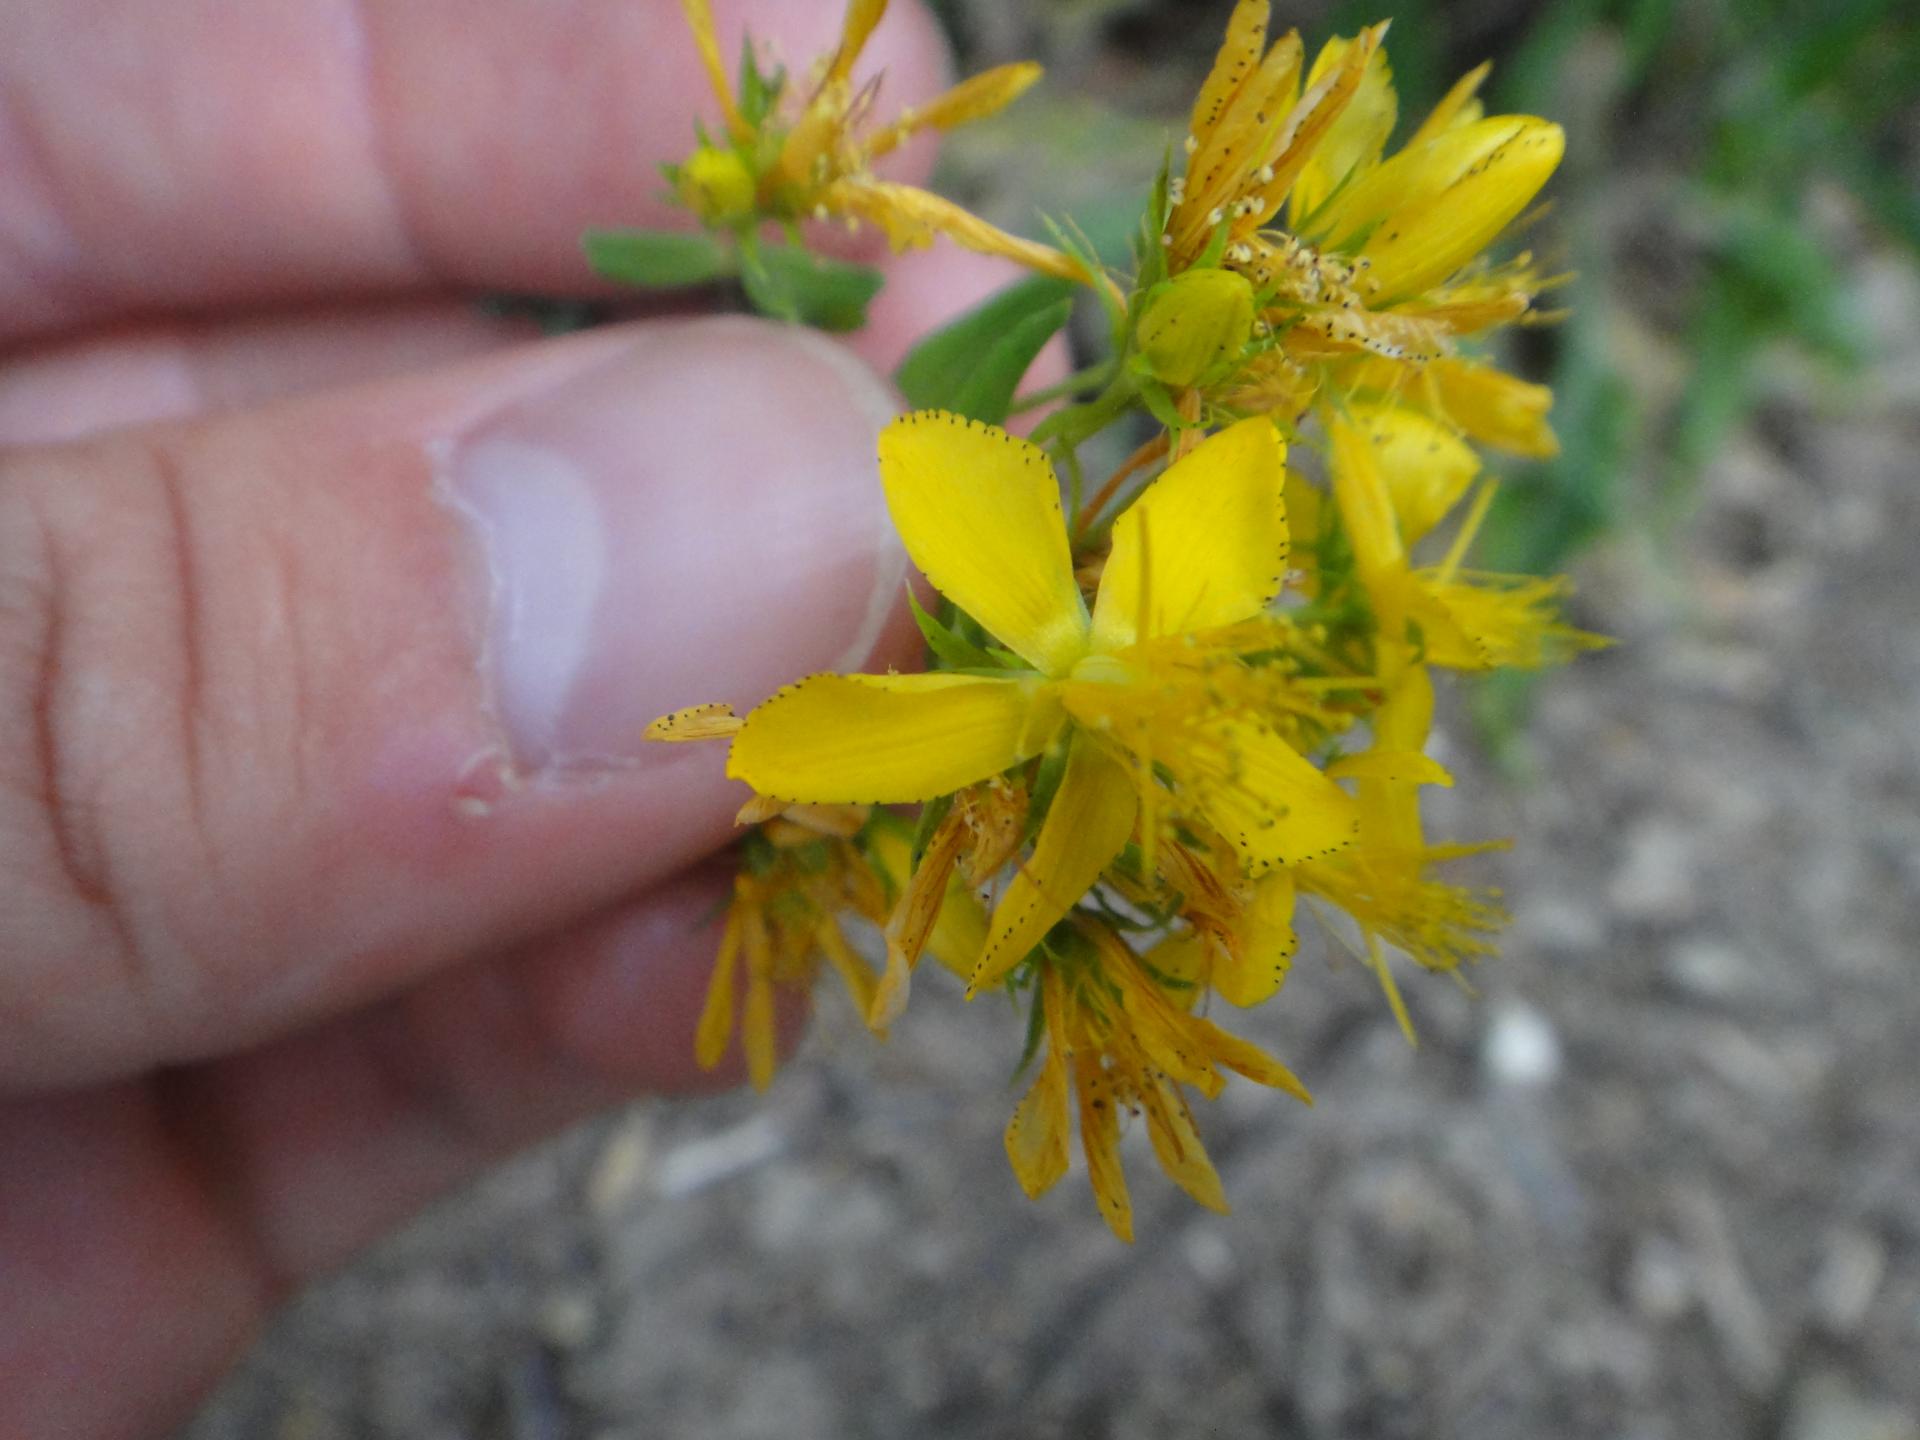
(567, 1319)
(1559, 922)
(1655, 881)
(1848, 1279)
(1209, 1254)
(619, 1168)
(695, 1165)
(1659, 1279)
(1709, 969)
(1521, 1047)
(1827, 1406)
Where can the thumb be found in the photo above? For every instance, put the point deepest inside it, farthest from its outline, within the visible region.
(303, 704)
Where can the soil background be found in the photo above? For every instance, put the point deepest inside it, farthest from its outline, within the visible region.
(1658, 1179)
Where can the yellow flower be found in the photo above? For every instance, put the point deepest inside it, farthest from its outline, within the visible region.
(1158, 717)
(814, 159)
(1119, 1042)
(782, 921)
(804, 871)
(1375, 275)
(1242, 929)
(1384, 883)
(1396, 473)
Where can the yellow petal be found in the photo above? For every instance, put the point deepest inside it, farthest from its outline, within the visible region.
(887, 739)
(861, 17)
(1238, 57)
(974, 98)
(1307, 519)
(1487, 173)
(911, 924)
(1184, 955)
(1390, 805)
(1036, 1137)
(756, 1016)
(1426, 467)
(1458, 106)
(1086, 826)
(1402, 767)
(1366, 505)
(1176, 1143)
(1245, 1058)
(1320, 107)
(1205, 544)
(912, 217)
(1100, 1139)
(853, 971)
(1256, 966)
(1356, 138)
(696, 722)
(1494, 408)
(979, 512)
(1233, 153)
(1497, 621)
(1336, 331)
(699, 15)
(1264, 798)
(1405, 719)
(961, 929)
(715, 1026)
(757, 1032)
(1160, 1028)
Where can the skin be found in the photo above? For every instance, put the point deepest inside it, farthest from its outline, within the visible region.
(276, 965)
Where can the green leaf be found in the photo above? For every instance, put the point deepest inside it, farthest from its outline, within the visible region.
(802, 288)
(979, 358)
(988, 392)
(659, 259)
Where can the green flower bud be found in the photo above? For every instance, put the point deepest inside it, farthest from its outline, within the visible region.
(716, 185)
(1194, 322)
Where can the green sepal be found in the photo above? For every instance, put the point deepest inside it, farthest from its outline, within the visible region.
(1036, 1029)
(931, 814)
(952, 650)
(1046, 784)
(1152, 255)
(795, 285)
(659, 259)
(757, 853)
(973, 365)
(1155, 397)
(758, 90)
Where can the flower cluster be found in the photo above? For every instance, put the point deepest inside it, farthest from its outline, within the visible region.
(1163, 724)
(799, 151)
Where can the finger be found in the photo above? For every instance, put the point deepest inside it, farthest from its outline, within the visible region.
(336, 1134)
(299, 705)
(171, 370)
(205, 1196)
(261, 153)
(140, 374)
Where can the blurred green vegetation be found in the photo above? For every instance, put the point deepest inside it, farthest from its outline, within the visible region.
(1749, 107)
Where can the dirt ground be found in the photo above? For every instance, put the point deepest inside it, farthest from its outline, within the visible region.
(1660, 1179)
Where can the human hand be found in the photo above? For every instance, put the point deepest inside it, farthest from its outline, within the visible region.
(331, 866)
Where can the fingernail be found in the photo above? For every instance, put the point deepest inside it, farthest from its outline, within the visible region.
(700, 519)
